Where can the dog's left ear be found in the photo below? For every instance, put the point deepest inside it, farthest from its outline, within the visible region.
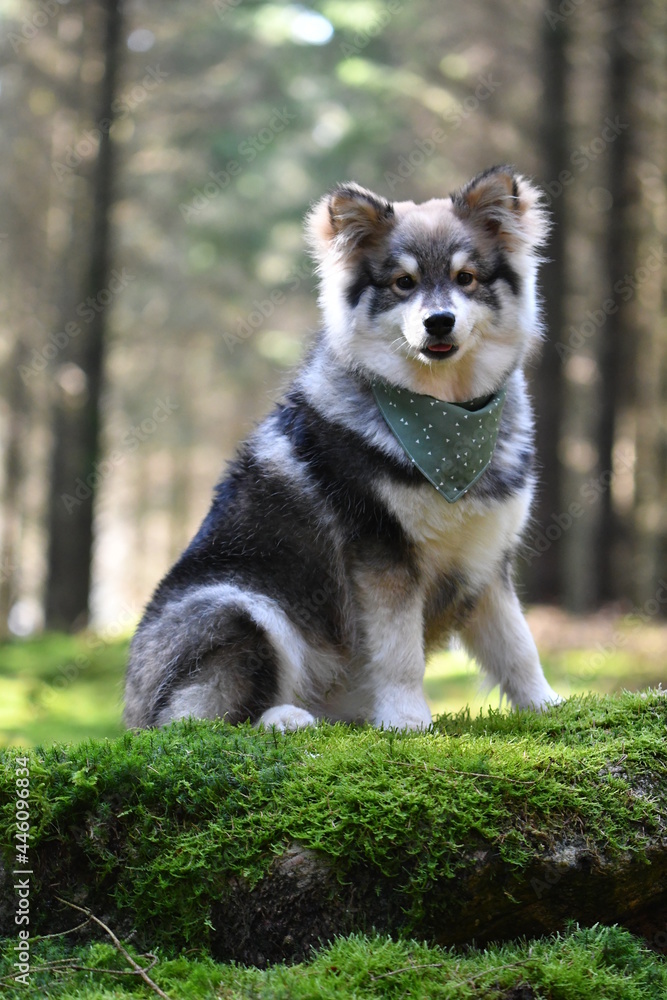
(347, 221)
(506, 207)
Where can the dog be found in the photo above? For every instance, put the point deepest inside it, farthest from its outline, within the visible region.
(332, 560)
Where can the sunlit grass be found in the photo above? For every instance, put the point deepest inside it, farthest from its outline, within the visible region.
(453, 680)
(58, 687)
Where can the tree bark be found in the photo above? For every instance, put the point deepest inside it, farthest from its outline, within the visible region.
(18, 406)
(302, 902)
(645, 547)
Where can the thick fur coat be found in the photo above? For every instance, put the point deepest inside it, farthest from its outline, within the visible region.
(328, 567)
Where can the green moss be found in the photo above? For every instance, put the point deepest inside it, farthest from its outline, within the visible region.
(160, 820)
(579, 965)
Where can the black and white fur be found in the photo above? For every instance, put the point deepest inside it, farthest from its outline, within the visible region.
(328, 567)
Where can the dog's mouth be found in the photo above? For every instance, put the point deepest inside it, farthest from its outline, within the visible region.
(439, 351)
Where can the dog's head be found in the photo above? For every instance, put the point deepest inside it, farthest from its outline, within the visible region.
(438, 297)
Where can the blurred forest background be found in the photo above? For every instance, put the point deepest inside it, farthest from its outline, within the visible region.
(158, 159)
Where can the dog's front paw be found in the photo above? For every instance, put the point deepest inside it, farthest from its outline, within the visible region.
(406, 712)
(549, 699)
(286, 718)
(406, 722)
(538, 701)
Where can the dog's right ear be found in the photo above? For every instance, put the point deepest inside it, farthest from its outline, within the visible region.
(349, 220)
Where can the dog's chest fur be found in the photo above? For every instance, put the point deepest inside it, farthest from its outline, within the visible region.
(450, 551)
(470, 537)
(458, 548)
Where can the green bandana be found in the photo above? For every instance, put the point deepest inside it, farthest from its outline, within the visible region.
(450, 443)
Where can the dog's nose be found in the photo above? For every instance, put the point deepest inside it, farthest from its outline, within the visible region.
(440, 323)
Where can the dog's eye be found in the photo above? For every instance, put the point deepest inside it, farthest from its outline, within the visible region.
(465, 278)
(405, 282)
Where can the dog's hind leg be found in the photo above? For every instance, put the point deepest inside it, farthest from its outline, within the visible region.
(498, 637)
(236, 680)
(217, 652)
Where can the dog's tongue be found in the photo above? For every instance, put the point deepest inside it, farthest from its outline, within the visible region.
(440, 347)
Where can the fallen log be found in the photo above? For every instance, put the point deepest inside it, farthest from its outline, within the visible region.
(257, 845)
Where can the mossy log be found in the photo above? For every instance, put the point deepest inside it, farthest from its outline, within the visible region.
(258, 845)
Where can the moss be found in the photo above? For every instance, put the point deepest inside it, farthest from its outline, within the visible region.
(161, 823)
(578, 965)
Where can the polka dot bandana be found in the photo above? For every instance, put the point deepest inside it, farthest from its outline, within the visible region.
(450, 443)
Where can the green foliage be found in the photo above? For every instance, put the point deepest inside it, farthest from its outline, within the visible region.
(578, 965)
(162, 820)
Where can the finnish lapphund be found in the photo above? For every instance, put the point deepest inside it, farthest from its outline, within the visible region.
(331, 562)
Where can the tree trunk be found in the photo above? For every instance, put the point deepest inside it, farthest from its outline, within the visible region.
(18, 407)
(645, 548)
(79, 377)
(616, 357)
(544, 577)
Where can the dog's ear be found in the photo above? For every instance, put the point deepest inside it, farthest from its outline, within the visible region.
(506, 207)
(349, 220)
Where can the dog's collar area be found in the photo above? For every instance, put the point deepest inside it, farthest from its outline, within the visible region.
(451, 444)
